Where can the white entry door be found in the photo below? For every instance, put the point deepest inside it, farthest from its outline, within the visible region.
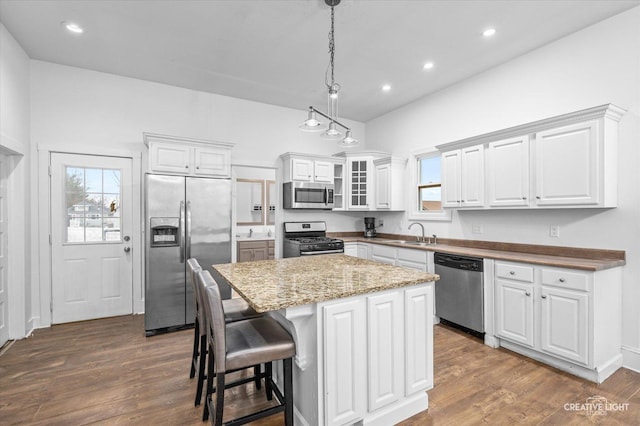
(4, 305)
(91, 223)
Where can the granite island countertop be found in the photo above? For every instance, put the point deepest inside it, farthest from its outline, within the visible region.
(269, 285)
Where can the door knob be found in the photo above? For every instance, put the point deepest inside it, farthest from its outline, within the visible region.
(127, 249)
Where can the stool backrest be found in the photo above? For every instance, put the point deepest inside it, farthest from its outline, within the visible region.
(216, 327)
(193, 267)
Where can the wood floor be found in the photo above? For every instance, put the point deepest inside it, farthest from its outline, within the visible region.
(107, 372)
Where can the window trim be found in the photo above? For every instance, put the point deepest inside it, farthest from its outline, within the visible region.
(443, 215)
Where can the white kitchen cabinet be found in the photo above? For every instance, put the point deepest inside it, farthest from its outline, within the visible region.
(567, 165)
(463, 177)
(363, 251)
(385, 342)
(567, 318)
(508, 172)
(351, 249)
(514, 306)
(419, 303)
(568, 161)
(412, 258)
(389, 178)
(359, 184)
(563, 323)
(307, 168)
(384, 254)
(344, 354)
(190, 157)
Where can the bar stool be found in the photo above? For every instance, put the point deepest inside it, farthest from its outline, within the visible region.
(239, 345)
(235, 310)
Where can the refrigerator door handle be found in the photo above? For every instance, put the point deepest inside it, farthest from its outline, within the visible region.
(182, 230)
(188, 236)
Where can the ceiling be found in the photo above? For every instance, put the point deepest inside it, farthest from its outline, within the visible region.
(276, 51)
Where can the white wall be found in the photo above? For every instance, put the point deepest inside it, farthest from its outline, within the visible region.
(83, 110)
(595, 66)
(14, 141)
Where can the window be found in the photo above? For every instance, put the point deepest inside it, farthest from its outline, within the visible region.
(92, 202)
(430, 184)
(427, 199)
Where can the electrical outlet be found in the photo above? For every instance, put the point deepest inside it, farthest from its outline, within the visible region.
(476, 228)
(554, 231)
(380, 222)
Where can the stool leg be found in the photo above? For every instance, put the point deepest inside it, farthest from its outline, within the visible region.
(267, 380)
(288, 392)
(201, 369)
(209, 392)
(256, 372)
(194, 355)
(219, 399)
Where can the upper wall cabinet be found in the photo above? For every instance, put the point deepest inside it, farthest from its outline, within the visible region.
(191, 157)
(567, 161)
(369, 179)
(463, 177)
(307, 168)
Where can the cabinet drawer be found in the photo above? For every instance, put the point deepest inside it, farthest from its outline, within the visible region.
(412, 255)
(512, 271)
(565, 279)
(243, 245)
(383, 251)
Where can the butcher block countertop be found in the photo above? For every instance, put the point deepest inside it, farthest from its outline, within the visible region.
(269, 285)
(561, 257)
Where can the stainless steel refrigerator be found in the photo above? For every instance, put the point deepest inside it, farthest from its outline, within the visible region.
(184, 217)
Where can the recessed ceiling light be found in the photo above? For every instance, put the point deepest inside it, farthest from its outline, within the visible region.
(74, 28)
(489, 32)
(428, 65)
(386, 88)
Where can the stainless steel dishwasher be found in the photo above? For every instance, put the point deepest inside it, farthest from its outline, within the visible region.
(460, 291)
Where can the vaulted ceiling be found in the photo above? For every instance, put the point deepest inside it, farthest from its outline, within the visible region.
(276, 51)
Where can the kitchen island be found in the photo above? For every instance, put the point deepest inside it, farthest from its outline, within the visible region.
(363, 333)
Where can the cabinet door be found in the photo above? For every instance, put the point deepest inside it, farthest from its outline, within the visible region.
(363, 251)
(301, 169)
(351, 249)
(567, 165)
(472, 176)
(359, 178)
(508, 172)
(383, 187)
(170, 158)
(451, 179)
(212, 162)
(323, 171)
(564, 319)
(514, 311)
(244, 254)
(385, 342)
(418, 320)
(261, 253)
(345, 361)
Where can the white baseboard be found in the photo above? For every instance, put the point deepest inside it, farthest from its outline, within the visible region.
(631, 358)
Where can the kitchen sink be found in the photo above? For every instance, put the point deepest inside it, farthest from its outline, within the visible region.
(415, 243)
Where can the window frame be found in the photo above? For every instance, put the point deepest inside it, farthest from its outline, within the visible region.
(414, 212)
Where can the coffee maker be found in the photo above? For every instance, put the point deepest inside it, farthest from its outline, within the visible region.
(369, 227)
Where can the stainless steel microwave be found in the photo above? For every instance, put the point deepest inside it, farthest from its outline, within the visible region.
(307, 195)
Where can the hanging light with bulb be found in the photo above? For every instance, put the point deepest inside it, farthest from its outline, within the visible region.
(312, 124)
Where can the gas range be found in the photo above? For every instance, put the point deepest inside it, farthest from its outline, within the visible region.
(308, 239)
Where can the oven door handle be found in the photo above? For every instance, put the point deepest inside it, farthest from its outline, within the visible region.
(312, 253)
(326, 195)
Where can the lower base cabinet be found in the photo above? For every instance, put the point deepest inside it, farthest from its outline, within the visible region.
(378, 350)
(564, 317)
(249, 251)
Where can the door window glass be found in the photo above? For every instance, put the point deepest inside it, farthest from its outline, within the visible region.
(92, 203)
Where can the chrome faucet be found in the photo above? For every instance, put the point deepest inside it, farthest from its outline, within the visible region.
(421, 227)
(250, 232)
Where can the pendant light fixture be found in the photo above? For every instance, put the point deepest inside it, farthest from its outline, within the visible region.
(312, 124)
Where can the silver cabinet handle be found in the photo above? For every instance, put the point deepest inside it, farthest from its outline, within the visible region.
(512, 272)
(186, 166)
(543, 296)
(524, 198)
(527, 293)
(127, 249)
(561, 280)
